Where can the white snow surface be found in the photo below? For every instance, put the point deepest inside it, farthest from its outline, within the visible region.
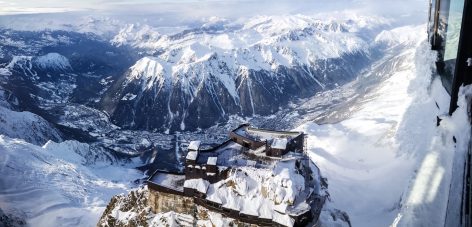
(53, 61)
(279, 143)
(192, 155)
(27, 126)
(128, 96)
(388, 164)
(198, 184)
(194, 145)
(212, 161)
(260, 192)
(49, 185)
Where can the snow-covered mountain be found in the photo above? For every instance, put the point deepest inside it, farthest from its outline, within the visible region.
(27, 126)
(198, 77)
(134, 95)
(54, 185)
(22, 124)
(186, 78)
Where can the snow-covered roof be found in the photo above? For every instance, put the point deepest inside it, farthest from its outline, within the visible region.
(172, 181)
(264, 134)
(298, 209)
(282, 184)
(282, 208)
(251, 206)
(214, 197)
(282, 219)
(212, 161)
(192, 155)
(265, 210)
(279, 143)
(197, 184)
(194, 145)
(232, 202)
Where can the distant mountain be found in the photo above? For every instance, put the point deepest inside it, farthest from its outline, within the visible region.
(200, 77)
(187, 78)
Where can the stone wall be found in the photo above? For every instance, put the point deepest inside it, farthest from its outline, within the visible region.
(161, 202)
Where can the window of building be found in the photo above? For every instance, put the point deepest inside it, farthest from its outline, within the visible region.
(447, 29)
(453, 29)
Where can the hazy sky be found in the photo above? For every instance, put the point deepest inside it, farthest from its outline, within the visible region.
(190, 6)
(189, 13)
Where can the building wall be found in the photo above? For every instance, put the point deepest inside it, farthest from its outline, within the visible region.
(275, 152)
(200, 173)
(161, 202)
(297, 143)
(246, 142)
(164, 202)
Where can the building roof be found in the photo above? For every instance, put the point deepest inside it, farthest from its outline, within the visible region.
(168, 180)
(279, 143)
(212, 161)
(192, 155)
(197, 184)
(258, 134)
(194, 145)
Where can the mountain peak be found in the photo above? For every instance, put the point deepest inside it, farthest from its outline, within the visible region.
(53, 61)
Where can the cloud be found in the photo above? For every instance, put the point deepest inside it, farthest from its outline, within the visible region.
(194, 12)
(198, 8)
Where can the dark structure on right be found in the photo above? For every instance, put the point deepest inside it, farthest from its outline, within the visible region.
(450, 33)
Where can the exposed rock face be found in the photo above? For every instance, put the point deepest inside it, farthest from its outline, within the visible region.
(161, 202)
(132, 210)
(27, 126)
(24, 125)
(127, 210)
(149, 98)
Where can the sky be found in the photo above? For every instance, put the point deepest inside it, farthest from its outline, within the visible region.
(9, 7)
(48, 14)
(194, 7)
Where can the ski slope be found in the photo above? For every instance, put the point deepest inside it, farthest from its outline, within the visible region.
(388, 164)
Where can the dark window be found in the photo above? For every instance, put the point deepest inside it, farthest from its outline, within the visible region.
(432, 25)
(445, 30)
(453, 32)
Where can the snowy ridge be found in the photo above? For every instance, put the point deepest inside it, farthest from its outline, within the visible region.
(263, 42)
(53, 61)
(50, 76)
(23, 62)
(80, 153)
(66, 192)
(28, 64)
(194, 78)
(27, 126)
(151, 73)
